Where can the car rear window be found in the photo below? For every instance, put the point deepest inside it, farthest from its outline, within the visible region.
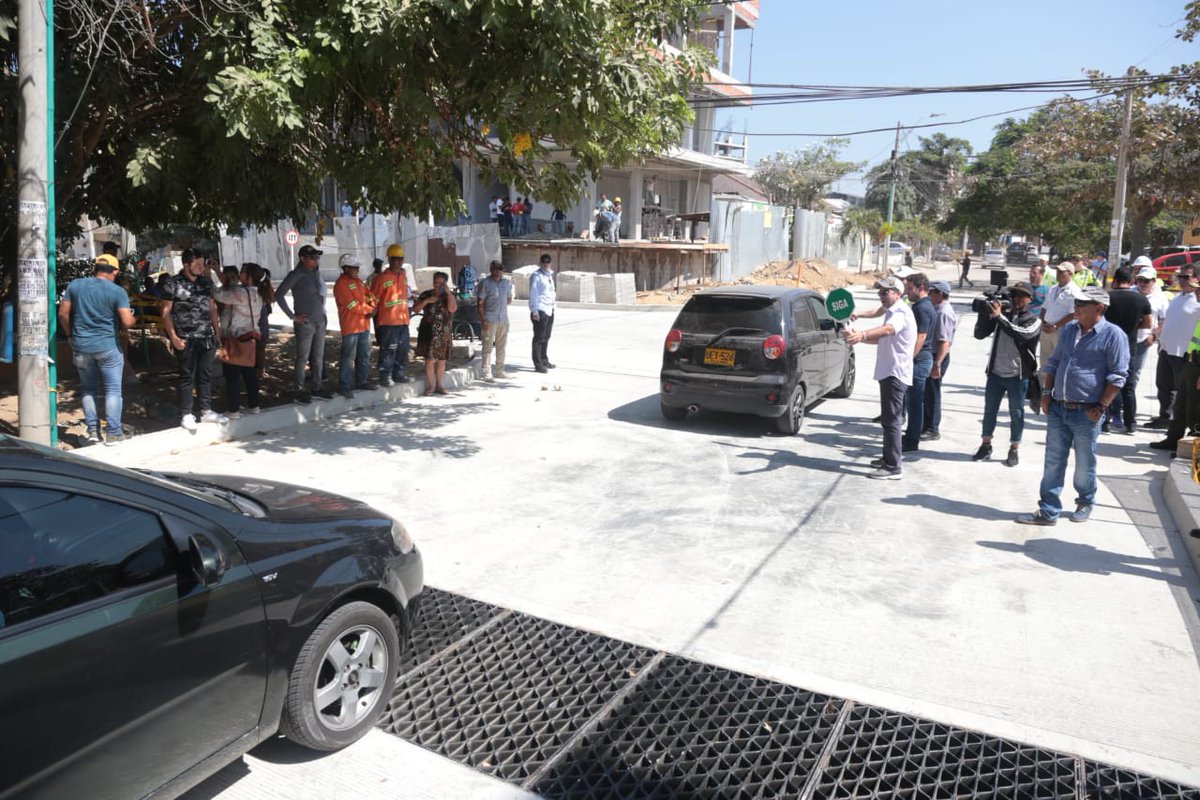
(718, 313)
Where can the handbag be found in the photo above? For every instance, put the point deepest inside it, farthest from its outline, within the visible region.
(240, 351)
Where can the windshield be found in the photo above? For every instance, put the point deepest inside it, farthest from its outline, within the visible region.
(716, 314)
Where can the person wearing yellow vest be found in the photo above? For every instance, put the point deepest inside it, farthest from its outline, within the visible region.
(355, 306)
(1084, 277)
(391, 292)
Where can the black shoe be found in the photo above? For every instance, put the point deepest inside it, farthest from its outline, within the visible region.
(930, 436)
(324, 393)
(877, 463)
(1170, 445)
(1013, 459)
(1158, 422)
(303, 398)
(540, 369)
(1129, 430)
(983, 453)
(550, 366)
(402, 379)
(1037, 518)
(1105, 427)
(1035, 406)
(368, 386)
(346, 393)
(909, 448)
(877, 419)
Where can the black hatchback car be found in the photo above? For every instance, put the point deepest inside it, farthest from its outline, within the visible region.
(765, 350)
(154, 627)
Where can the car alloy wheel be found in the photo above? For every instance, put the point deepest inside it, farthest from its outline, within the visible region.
(792, 419)
(343, 678)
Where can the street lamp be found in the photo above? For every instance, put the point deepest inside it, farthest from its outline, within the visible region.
(887, 242)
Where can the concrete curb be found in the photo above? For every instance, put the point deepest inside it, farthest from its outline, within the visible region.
(615, 307)
(1183, 499)
(176, 440)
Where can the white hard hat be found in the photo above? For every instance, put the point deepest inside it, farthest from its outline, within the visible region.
(1143, 261)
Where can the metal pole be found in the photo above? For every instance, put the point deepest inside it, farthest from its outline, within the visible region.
(33, 302)
(51, 231)
(887, 241)
(1118, 209)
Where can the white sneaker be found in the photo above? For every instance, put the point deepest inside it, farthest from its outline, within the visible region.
(254, 410)
(188, 422)
(234, 414)
(502, 375)
(212, 416)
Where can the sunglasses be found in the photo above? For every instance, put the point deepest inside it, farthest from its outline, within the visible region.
(1086, 303)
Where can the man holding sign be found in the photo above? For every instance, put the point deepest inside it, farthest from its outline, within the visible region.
(896, 338)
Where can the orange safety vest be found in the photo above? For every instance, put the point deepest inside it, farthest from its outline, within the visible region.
(391, 291)
(355, 304)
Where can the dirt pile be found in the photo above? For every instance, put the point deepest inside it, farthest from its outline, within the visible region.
(816, 274)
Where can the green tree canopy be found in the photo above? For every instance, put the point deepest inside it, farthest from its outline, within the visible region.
(928, 179)
(802, 178)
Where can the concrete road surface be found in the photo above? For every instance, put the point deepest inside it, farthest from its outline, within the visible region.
(568, 496)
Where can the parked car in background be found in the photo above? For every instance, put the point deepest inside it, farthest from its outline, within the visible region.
(155, 626)
(771, 351)
(1031, 253)
(1015, 254)
(994, 258)
(943, 252)
(894, 248)
(1167, 265)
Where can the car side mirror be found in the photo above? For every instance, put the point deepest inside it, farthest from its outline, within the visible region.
(828, 324)
(208, 562)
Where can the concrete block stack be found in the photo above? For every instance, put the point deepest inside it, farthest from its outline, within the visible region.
(618, 288)
(576, 287)
(520, 280)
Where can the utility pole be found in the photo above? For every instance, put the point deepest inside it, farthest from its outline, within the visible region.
(887, 241)
(33, 244)
(1118, 209)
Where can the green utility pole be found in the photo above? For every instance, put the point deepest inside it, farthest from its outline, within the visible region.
(887, 241)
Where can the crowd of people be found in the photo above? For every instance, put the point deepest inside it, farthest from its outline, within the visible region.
(210, 314)
(1066, 348)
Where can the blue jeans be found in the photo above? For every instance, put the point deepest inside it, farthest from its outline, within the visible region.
(107, 365)
(1124, 405)
(356, 353)
(993, 391)
(393, 351)
(922, 364)
(933, 398)
(1068, 429)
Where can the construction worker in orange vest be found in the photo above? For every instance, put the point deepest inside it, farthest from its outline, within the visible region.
(355, 306)
(390, 289)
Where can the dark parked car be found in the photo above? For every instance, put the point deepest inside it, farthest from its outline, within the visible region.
(154, 627)
(765, 350)
(1017, 253)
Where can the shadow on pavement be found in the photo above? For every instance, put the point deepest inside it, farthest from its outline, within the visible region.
(960, 508)
(707, 423)
(772, 459)
(1074, 557)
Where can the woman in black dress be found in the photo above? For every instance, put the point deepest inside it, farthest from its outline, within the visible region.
(435, 335)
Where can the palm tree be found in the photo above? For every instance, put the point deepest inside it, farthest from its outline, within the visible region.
(862, 225)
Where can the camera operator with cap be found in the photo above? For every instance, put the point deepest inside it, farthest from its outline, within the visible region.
(1080, 380)
(1011, 363)
(896, 338)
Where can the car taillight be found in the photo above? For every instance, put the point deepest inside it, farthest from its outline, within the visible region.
(774, 347)
(674, 340)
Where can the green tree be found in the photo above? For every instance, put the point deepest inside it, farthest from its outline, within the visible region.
(802, 178)
(207, 111)
(862, 226)
(928, 179)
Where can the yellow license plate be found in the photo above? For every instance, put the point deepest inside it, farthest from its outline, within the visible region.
(719, 356)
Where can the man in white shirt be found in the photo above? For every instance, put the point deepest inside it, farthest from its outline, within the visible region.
(896, 338)
(1057, 310)
(542, 302)
(1182, 315)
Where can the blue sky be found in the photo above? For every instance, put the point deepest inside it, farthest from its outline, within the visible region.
(937, 43)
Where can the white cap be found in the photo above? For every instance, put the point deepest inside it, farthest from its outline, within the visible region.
(1147, 272)
(349, 260)
(1142, 261)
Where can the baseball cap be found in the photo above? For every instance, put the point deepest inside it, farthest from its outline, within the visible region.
(1143, 261)
(1065, 266)
(890, 282)
(1022, 287)
(349, 260)
(1044, 259)
(941, 286)
(309, 250)
(904, 271)
(1147, 272)
(107, 263)
(1093, 294)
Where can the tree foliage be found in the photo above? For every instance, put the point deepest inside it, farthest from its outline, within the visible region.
(928, 179)
(802, 178)
(206, 111)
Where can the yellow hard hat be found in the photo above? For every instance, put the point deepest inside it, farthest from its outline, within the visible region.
(395, 251)
(617, 200)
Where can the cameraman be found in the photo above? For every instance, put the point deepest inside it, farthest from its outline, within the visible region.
(1010, 364)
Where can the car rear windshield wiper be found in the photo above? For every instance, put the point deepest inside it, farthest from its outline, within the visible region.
(731, 332)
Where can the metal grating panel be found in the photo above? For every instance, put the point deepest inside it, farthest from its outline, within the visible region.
(692, 730)
(443, 619)
(504, 702)
(1111, 783)
(884, 754)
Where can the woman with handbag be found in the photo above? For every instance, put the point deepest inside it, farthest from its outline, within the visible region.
(242, 305)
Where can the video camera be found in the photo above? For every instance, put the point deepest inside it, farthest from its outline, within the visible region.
(982, 304)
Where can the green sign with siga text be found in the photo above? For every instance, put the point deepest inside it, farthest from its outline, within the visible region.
(840, 304)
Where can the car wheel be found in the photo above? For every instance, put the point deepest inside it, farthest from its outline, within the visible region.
(671, 413)
(846, 387)
(793, 419)
(342, 679)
